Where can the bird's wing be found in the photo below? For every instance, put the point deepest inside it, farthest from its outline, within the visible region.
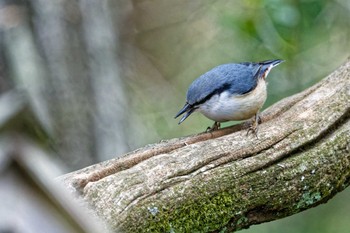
(238, 79)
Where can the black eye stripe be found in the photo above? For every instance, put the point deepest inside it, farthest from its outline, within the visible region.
(219, 90)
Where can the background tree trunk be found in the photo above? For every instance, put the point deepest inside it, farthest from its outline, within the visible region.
(64, 57)
(228, 180)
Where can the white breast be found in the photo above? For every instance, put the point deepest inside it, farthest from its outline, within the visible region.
(228, 107)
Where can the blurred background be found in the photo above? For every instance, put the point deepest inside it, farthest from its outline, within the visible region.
(90, 80)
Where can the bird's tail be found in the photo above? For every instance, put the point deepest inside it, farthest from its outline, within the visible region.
(187, 109)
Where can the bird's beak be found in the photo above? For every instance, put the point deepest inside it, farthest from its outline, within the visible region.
(276, 62)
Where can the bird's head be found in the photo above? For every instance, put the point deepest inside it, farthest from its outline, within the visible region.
(266, 66)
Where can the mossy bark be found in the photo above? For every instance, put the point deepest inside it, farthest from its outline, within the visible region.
(225, 180)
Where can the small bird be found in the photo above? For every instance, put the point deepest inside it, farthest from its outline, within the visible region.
(229, 92)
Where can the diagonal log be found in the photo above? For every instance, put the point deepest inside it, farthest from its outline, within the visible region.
(226, 179)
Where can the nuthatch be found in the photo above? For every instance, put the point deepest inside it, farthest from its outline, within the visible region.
(229, 92)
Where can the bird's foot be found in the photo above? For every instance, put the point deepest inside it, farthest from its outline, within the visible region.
(254, 126)
(215, 126)
(253, 129)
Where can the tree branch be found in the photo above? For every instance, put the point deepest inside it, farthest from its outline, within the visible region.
(226, 179)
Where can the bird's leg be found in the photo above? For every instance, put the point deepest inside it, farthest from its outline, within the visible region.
(254, 126)
(215, 126)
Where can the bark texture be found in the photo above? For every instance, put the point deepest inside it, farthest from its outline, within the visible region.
(226, 180)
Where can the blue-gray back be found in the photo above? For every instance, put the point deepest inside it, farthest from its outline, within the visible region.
(237, 78)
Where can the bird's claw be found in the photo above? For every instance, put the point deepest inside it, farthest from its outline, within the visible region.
(253, 129)
(254, 126)
(215, 126)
